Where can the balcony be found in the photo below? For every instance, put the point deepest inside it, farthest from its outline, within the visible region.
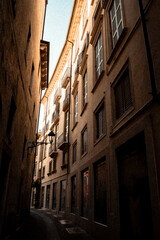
(65, 78)
(57, 95)
(66, 103)
(52, 151)
(63, 141)
(55, 116)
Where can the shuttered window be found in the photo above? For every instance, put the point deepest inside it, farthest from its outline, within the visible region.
(122, 91)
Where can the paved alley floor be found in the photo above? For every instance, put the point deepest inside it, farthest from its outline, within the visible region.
(44, 225)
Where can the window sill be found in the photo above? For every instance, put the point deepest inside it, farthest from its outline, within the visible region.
(98, 81)
(84, 107)
(74, 126)
(99, 139)
(120, 122)
(83, 155)
(116, 47)
(64, 166)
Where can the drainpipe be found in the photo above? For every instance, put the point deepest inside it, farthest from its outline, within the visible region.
(69, 106)
(148, 51)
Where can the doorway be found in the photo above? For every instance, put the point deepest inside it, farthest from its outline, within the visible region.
(134, 194)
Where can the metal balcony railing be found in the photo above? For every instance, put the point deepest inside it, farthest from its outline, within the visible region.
(62, 141)
(65, 78)
(53, 151)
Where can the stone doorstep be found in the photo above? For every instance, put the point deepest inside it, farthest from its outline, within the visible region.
(75, 230)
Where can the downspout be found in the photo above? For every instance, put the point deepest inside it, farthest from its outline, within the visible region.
(69, 106)
(148, 51)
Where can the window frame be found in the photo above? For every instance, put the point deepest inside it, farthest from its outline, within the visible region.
(119, 80)
(113, 4)
(83, 141)
(100, 107)
(74, 152)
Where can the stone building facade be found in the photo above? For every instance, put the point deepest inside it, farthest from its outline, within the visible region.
(20, 86)
(102, 170)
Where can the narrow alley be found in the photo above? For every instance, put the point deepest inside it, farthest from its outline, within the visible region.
(44, 224)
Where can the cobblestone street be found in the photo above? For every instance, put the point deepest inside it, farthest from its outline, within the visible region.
(43, 224)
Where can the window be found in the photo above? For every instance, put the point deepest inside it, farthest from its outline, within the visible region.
(43, 173)
(14, 8)
(99, 56)
(56, 137)
(35, 168)
(84, 140)
(66, 124)
(47, 196)
(63, 195)
(74, 152)
(54, 165)
(11, 116)
(31, 80)
(100, 211)
(85, 193)
(100, 121)
(85, 88)
(116, 20)
(122, 91)
(39, 173)
(50, 166)
(65, 158)
(73, 194)
(54, 196)
(76, 108)
(45, 148)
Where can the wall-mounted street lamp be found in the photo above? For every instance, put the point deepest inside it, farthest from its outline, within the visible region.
(35, 144)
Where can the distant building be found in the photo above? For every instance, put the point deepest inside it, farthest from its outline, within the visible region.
(104, 107)
(21, 81)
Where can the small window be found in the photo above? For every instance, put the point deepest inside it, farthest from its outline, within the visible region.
(99, 56)
(65, 158)
(54, 165)
(11, 116)
(116, 20)
(122, 91)
(56, 137)
(31, 80)
(85, 88)
(76, 108)
(50, 166)
(66, 124)
(14, 8)
(74, 152)
(35, 168)
(100, 121)
(43, 172)
(84, 140)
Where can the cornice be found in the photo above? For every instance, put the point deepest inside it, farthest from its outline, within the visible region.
(71, 34)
